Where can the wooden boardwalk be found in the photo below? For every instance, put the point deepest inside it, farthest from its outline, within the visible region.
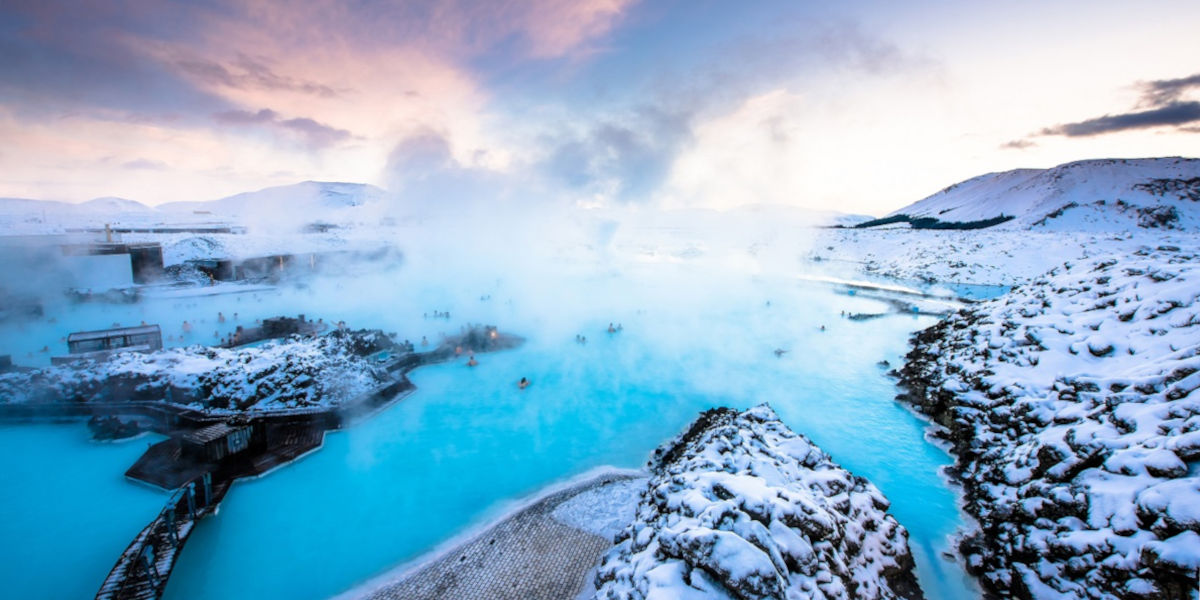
(142, 571)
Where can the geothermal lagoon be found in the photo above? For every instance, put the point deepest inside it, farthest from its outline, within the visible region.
(468, 446)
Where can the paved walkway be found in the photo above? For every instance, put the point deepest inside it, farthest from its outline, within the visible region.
(527, 556)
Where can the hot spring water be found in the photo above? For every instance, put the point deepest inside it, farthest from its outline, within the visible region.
(468, 443)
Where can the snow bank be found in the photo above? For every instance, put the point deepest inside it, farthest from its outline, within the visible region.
(1070, 406)
(988, 256)
(292, 373)
(739, 506)
(604, 510)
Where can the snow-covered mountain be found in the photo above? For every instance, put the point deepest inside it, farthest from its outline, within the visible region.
(309, 197)
(1091, 195)
(113, 205)
(281, 208)
(23, 206)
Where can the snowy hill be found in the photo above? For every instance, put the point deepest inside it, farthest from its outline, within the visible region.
(1088, 195)
(113, 205)
(312, 198)
(281, 208)
(23, 206)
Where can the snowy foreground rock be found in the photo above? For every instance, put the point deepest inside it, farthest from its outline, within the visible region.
(1070, 406)
(292, 373)
(739, 506)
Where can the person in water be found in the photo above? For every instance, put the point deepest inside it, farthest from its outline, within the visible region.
(524, 383)
(472, 362)
(611, 329)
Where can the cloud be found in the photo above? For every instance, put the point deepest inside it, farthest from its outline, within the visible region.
(1017, 145)
(1162, 104)
(628, 154)
(1175, 113)
(310, 132)
(147, 164)
(423, 173)
(418, 155)
(624, 159)
(1164, 92)
(64, 58)
(247, 73)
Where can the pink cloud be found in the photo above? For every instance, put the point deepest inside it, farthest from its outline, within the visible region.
(546, 28)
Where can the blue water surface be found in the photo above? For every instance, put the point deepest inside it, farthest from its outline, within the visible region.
(468, 443)
(66, 510)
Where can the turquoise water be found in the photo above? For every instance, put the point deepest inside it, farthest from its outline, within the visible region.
(468, 443)
(976, 291)
(68, 511)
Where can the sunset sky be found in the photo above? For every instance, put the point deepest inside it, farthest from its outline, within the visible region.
(853, 106)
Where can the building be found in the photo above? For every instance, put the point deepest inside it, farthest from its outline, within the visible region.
(142, 262)
(216, 442)
(101, 344)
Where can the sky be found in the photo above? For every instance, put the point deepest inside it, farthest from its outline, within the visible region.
(856, 106)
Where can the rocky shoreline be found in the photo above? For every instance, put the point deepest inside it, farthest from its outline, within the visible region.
(1068, 405)
(740, 506)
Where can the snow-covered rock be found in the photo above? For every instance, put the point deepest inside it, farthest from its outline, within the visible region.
(986, 256)
(739, 506)
(1091, 195)
(291, 373)
(1069, 403)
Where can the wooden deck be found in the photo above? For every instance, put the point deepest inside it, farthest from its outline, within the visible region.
(142, 571)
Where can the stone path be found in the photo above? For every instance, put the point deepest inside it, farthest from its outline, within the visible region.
(527, 556)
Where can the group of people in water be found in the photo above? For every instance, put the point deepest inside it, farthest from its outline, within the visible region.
(582, 339)
(524, 382)
(437, 314)
(471, 362)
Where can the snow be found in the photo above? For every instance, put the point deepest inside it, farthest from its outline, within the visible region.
(112, 204)
(284, 374)
(1072, 391)
(741, 507)
(987, 256)
(308, 198)
(604, 510)
(1096, 195)
(1078, 424)
(275, 210)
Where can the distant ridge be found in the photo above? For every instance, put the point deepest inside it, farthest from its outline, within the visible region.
(310, 196)
(113, 204)
(1099, 195)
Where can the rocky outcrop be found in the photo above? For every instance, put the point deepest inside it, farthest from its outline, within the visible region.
(1070, 407)
(739, 506)
(296, 372)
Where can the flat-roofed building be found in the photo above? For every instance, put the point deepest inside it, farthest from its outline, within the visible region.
(99, 345)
